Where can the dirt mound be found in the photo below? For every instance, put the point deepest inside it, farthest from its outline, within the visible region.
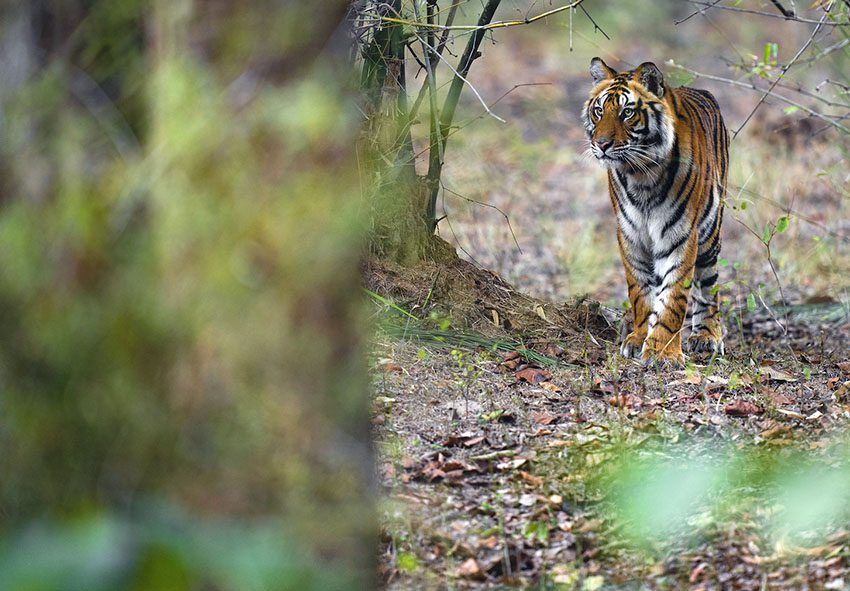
(476, 299)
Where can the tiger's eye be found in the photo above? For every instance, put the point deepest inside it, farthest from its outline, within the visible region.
(628, 112)
(597, 111)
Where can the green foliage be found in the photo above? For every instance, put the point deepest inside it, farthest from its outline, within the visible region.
(180, 322)
(685, 494)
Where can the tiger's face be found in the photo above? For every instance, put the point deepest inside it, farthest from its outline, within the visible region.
(626, 118)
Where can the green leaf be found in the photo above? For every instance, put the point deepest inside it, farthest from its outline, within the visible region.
(407, 562)
(791, 109)
(766, 58)
(536, 529)
(767, 234)
(389, 303)
(782, 224)
(751, 302)
(722, 263)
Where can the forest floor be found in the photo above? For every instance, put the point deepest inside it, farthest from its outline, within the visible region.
(540, 458)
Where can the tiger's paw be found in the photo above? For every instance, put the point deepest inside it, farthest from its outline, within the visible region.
(704, 344)
(632, 346)
(666, 358)
(664, 362)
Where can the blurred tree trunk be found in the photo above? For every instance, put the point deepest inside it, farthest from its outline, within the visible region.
(17, 63)
(299, 244)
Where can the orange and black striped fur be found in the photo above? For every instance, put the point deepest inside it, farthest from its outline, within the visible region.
(667, 153)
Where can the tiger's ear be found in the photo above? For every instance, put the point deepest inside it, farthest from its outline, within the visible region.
(651, 77)
(600, 71)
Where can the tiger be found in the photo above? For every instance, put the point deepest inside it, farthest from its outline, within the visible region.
(666, 151)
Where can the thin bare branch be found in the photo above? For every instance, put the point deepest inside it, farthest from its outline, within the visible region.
(785, 12)
(490, 205)
(461, 77)
(831, 121)
(490, 26)
(696, 12)
(707, 5)
(783, 71)
(596, 27)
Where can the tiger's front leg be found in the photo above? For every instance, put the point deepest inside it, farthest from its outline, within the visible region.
(675, 270)
(640, 290)
(632, 344)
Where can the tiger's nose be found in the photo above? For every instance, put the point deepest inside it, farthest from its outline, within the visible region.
(604, 143)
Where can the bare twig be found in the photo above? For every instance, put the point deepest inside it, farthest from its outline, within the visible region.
(696, 12)
(490, 205)
(596, 27)
(791, 211)
(775, 276)
(472, 120)
(840, 45)
(463, 79)
(486, 27)
(831, 121)
(797, 19)
(785, 12)
(743, 68)
(784, 69)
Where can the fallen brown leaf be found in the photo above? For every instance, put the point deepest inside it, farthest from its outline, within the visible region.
(625, 400)
(489, 542)
(742, 408)
(697, 571)
(473, 441)
(553, 350)
(775, 431)
(390, 366)
(530, 478)
(778, 399)
(550, 387)
(842, 390)
(768, 372)
(533, 375)
(469, 569)
(692, 378)
(454, 465)
(544, 419)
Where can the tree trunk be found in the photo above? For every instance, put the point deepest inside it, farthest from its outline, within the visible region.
(300, 367)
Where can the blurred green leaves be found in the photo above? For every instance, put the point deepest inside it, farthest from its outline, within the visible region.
(160, 549)
(684, 495)
(183, 402)
(660, 499)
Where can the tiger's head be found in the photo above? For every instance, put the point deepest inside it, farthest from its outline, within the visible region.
(627, 118)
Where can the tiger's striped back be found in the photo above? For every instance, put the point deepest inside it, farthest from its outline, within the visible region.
(666, 151)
